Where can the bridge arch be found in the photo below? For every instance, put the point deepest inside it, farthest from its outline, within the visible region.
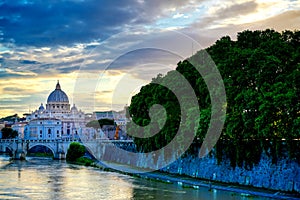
(59, 147)
(43, 145)
(6, 149)
(5, 146)
(10, 150)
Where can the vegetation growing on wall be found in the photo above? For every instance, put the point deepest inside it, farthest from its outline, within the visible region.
(75, 151)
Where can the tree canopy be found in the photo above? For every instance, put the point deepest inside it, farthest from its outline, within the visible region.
(261, 73)
(9, 133)
(10, 118)
(100, 123)
(75, 151)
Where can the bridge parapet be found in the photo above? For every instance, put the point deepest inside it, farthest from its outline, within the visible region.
(59, 147)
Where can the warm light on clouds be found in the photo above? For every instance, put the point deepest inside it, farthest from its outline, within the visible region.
(267, 9)
(25, 94)
(103, 52)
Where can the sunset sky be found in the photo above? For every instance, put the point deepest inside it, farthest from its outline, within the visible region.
(103, 51)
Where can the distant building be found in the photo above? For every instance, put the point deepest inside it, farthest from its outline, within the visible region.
(44, 128)
(19, 127)
(104, 115)
(2, 125)
(57, 120)
(109, 131)
(118, 116)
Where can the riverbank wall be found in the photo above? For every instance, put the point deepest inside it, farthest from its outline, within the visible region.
(282, 176)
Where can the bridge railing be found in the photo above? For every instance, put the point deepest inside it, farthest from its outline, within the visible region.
(39, 140)
(63, 140)
(8, 140)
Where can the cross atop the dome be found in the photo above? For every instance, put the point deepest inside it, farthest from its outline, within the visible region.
(57, 85)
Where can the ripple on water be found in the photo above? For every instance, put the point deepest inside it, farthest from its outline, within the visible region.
(48, 179)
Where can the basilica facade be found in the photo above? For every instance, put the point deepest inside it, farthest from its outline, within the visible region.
(57, 119)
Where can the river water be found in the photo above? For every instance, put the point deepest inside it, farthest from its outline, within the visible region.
(42, 178)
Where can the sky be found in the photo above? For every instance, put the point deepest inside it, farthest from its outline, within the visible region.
(102, 52)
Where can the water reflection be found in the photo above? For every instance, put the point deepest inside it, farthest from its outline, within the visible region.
(48, 179)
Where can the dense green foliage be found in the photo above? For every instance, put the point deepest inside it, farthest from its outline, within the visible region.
(75, 151)
(99, 123)
(40, 154)
(261, 73)
(84, 161)
(149, 95)
(9, 133)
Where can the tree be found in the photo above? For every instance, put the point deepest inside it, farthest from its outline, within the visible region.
(100, 123)
(75, 151)
(261, 74)
(10, 118)
(9, 133)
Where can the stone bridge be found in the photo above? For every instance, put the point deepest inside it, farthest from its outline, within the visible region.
(59, 147)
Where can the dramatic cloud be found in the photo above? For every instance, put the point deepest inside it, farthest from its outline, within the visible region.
(42, 23)
(91, 46)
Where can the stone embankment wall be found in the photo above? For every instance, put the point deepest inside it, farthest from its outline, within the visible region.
(283, 176)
